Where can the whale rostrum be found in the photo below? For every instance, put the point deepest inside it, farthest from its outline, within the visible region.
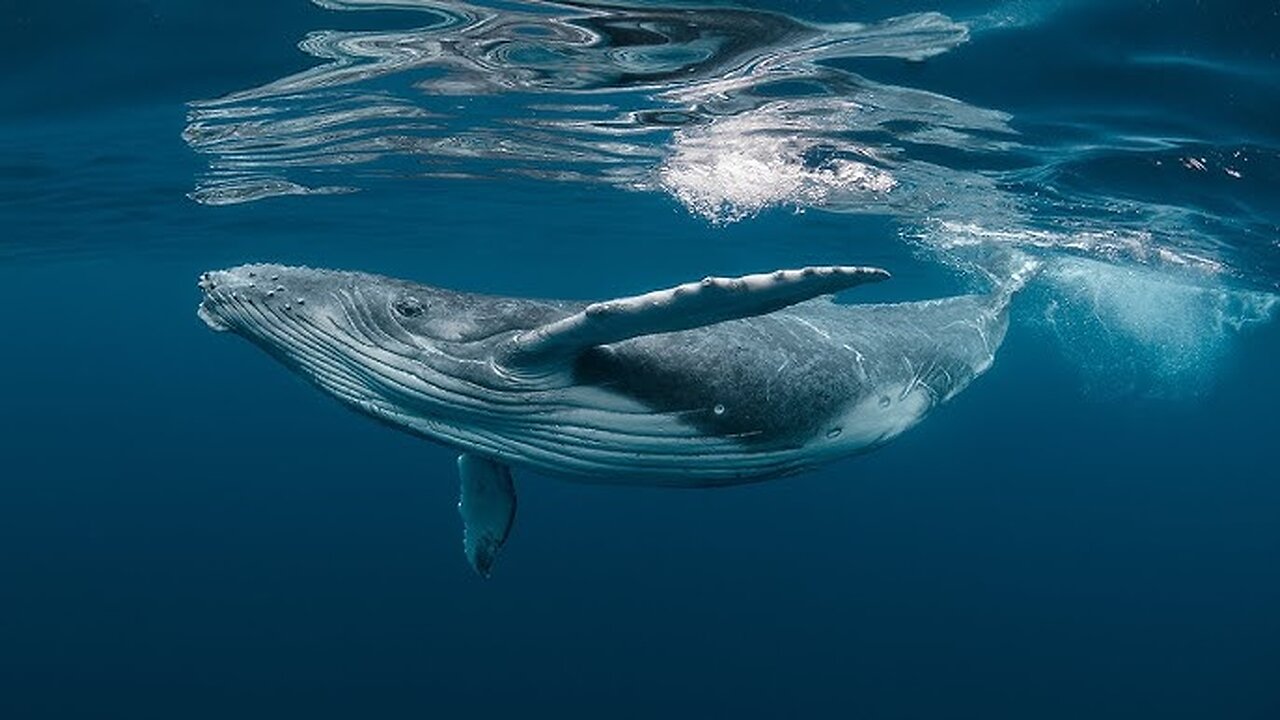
(716, 382)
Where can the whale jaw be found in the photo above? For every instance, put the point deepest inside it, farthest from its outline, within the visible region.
(211, 320)
(312, 321)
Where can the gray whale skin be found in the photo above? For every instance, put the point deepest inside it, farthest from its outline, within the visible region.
(714, 382)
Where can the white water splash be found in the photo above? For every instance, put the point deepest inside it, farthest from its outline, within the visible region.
(1139, 330)
(738, 165)
(1114, 244)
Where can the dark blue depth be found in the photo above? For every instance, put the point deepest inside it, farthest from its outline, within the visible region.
(186, 531)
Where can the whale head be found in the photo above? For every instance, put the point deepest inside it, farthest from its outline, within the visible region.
(291, 310)
(375, 342)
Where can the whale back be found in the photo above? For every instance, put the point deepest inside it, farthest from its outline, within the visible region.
(785, 376)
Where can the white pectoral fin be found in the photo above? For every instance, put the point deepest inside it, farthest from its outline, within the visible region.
(695, 304)
(487, 504)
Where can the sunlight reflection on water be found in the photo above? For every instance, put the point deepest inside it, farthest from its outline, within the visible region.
(729, 111)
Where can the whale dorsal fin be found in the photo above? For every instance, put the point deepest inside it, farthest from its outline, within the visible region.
(683, 307)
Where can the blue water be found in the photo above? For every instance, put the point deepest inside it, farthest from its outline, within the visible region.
(1090, 530)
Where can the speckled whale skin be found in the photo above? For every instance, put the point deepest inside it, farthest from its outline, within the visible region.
(719, 382)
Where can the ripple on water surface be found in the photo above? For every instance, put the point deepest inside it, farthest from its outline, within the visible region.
(734, 111)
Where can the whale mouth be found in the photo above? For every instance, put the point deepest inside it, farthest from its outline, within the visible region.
(323, 324)
(251, 300)
(210, 319)
(293, 314)
(255, 300)
(206, 310)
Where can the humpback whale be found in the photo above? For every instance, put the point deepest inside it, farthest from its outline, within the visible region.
(713, 382)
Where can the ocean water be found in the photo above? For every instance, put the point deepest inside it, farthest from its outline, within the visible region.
(1089, 530)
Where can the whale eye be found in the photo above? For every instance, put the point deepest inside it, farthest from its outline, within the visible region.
(407, 306)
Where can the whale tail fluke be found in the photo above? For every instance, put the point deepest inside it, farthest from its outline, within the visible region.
(1015, 271)
(1006, 272)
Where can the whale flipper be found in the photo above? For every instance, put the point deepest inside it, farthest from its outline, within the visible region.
(683, 307)
(487, 504)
